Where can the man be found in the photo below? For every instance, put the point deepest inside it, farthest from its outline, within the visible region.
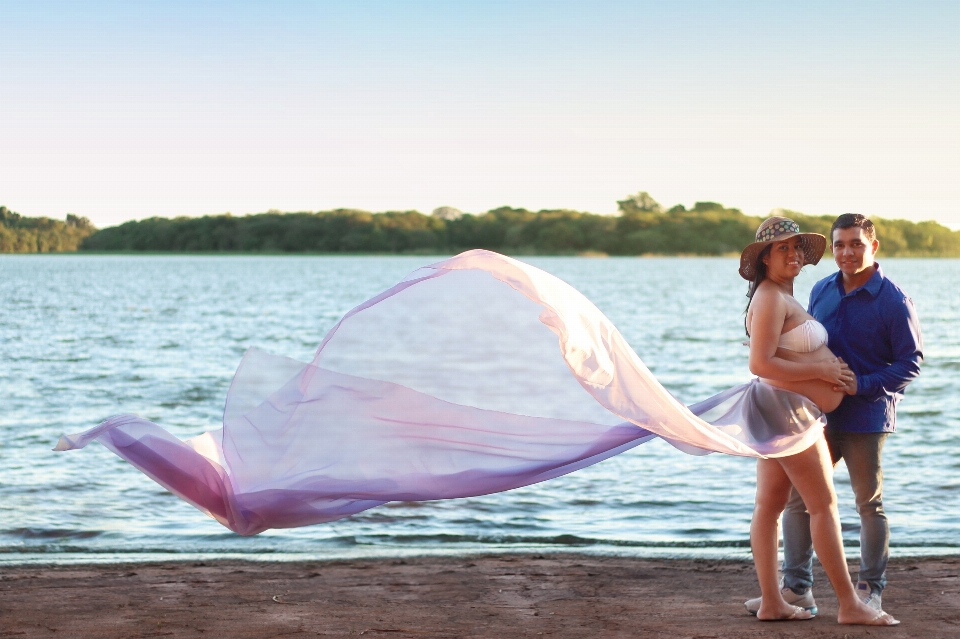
(873, 327)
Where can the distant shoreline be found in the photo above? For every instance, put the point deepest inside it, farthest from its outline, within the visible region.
(438, 256)
(643, 228)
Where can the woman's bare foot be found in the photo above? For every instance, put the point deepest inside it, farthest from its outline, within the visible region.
(863, 615)
(782, 611)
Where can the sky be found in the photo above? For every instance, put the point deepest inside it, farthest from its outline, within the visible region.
(125, 110)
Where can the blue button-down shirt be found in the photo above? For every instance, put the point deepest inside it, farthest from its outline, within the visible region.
(875, 330)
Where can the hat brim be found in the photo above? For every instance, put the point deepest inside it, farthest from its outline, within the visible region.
(814, 245)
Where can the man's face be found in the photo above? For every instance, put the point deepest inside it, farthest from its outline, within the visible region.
(852, 250)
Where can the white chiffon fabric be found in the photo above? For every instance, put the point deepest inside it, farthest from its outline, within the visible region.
(474, 375)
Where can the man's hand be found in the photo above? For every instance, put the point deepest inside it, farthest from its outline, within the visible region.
(849, 379)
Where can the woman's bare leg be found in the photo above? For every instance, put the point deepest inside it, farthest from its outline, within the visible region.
(811, 473)
(773, 490)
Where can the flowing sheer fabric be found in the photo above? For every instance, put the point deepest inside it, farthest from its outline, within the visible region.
(474, 375)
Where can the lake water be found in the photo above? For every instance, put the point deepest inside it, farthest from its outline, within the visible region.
(86, 337)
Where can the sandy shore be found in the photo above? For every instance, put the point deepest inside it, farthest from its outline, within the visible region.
(556, 595)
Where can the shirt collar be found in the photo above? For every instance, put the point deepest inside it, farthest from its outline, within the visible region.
(872, 286)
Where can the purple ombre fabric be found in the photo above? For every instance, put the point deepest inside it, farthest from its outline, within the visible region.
(474, 375)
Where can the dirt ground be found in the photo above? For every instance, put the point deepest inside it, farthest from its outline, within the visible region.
(554, 595)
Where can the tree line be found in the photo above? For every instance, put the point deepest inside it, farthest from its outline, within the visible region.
(643, 227)
(19, 234)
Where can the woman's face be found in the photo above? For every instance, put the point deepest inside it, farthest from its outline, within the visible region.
(785, 258)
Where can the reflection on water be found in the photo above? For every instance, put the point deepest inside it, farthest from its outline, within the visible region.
(84, 337)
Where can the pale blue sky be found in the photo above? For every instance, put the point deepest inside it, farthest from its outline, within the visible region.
(123, 110)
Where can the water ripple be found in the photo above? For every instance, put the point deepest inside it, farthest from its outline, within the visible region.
(86, 337)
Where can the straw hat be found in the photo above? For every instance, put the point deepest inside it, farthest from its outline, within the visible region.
(776, 229)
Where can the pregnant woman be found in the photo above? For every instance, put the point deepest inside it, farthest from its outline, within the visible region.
(480, 374)
(788, 350)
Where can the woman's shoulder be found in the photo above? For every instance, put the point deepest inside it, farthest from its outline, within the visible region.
(775, 300)
(769, 293)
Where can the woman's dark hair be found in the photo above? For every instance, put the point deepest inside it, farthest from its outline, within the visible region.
(760, 274)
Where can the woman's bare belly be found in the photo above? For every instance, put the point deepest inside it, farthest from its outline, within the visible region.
(820, 392)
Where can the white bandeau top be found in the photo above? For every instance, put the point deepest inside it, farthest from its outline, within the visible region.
(804, 338)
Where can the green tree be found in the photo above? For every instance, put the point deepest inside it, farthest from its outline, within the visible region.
(643, 227)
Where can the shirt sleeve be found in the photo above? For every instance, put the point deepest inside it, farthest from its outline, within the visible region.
(907, 346)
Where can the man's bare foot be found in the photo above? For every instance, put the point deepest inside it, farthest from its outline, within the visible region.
(864, 615)
(784, 612)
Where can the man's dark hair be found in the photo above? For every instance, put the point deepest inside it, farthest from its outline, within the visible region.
(850, 220)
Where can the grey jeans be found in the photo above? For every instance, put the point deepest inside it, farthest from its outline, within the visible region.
(861, 453)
